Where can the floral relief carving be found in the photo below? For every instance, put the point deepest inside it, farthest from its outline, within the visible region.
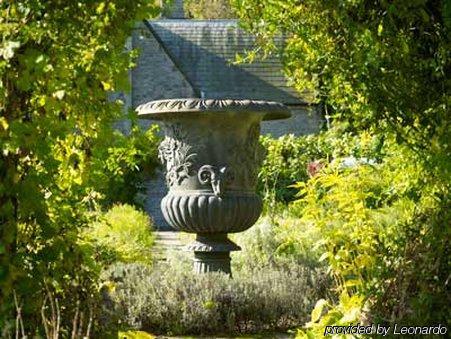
(176, 152)
(179, 155)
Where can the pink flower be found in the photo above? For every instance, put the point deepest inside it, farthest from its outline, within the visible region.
(314, 167)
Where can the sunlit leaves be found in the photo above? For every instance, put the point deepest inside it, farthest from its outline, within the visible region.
(7, 50)
(368, 61)
(380, 67)
(57, 60)
(376, 220)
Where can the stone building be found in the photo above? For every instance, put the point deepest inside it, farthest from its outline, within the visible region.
(194, 58)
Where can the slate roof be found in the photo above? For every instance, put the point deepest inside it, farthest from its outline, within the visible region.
(202, 51)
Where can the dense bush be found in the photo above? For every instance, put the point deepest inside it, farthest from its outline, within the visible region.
(171, 299)
(58, 60)
(289, 157)
(121, 163)
(123, 234)
(63, 267)
(385, 238)
(373, 64)
(271, 243)
(208, 9)
(381, 68)
(372, 219)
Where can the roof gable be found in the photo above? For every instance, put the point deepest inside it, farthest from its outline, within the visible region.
(203, 51)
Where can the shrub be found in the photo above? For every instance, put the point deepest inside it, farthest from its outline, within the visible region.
(271, 242)
(173, 300)
(121, 162)
(58, 61)
(208, 9)
(288, 159)
(378, 226)
(123, 234)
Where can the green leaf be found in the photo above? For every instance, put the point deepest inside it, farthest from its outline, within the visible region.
(318, 310)
(323, 256)
(7, 51)
(380, 29)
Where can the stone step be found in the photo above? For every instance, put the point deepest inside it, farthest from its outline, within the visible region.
(164, 241)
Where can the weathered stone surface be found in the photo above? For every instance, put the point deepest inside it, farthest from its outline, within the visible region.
(304, 120)
(211, 144)
(212, 156)
(155, 190)
(208, 213)
(176, 107)
(176, 10)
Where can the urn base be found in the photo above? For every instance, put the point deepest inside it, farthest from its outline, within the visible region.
(212, 253)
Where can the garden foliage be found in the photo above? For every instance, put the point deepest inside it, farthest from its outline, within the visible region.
(172, 300)
(208, 9)
(377, 69)
(121, 162)
(380, 64)
(122, 234)
(385, 238)
(379, 223)
(290, 159)
(272, 242)
(60, 160)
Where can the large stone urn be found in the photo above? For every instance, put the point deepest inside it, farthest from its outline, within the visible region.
(212, 157)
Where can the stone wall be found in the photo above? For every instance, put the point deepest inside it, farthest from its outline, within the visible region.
(177, 10)
(305, 120)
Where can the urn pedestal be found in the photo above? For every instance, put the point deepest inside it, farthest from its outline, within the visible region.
(212, 157)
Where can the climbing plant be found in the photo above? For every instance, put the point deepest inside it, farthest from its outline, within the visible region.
(381, 64)
(58, 60)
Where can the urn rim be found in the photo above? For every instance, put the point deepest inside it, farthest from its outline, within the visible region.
(162, 109)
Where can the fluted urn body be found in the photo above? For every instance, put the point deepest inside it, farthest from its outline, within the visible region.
(212, 157)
